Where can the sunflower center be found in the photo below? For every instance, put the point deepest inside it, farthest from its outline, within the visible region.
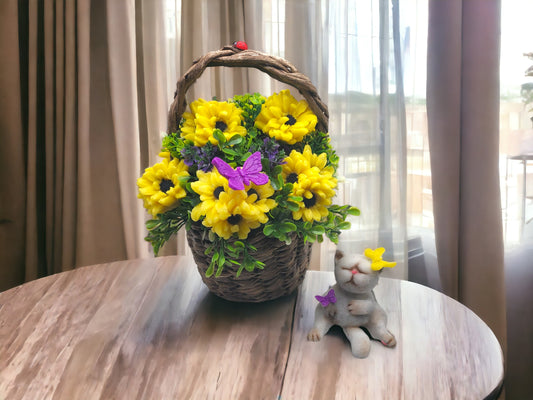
(221, 125)
(291, 120)
(292, 177)
(165, 185)
(235, 219)
(310, 202)
(253, 191)
(217, 191)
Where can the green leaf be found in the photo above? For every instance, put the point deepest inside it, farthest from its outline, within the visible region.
(287, 227)
(279, 180)
(219, 136)
(310, 238)
(344, 225)
(292, 206)
(277, 170)
(235, 139)
(275, 184)
(249, 264)
(183, 180)
(229, 151)
(151, 224)
(354, 211)
(210, 270)
(318, 230)
(334, 237)
(221, 260)
(268, 230)
(219, 270)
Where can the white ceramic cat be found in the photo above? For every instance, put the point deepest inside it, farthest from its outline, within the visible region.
(351, 303)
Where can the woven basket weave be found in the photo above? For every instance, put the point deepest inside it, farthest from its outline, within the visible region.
(285, 265)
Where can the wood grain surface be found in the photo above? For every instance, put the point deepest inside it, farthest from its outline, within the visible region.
(149, 329)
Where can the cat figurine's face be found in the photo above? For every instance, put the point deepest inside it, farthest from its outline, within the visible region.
(353, 273)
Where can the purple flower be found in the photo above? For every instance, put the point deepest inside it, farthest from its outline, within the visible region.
(271, 150)
(199, 156)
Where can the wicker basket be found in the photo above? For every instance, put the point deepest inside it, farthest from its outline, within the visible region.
(285, 265)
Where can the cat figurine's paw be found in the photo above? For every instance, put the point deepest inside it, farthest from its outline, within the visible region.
(389, 341)
(314, 335)
(360, 307)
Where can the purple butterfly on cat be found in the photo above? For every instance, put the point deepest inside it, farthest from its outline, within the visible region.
(329, 298)
(240, 176)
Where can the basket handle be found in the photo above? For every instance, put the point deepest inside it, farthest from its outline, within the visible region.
(230, 56)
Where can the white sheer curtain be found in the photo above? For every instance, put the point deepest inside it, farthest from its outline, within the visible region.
(353, 51)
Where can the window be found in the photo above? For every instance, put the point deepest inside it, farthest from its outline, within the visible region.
(516, 127)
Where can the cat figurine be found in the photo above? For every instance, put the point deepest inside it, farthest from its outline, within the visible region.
(351, 303)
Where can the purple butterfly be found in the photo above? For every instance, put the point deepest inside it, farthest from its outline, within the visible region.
(240, 176)
(327, 299)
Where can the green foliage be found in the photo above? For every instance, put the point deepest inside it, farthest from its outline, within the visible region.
(235, 151)
(320, 143)
(174, 144)
(281, 228)
(164, 225)
(250, 104)
(225, 253)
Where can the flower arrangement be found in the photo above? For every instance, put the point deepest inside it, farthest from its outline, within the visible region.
(244, 164)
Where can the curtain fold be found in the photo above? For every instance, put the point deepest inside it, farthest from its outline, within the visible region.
(306, 41)
(70, 137)
(12, 151)
(463, 121)
(121, 39)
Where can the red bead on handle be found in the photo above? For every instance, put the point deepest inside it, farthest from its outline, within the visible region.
(240, 45)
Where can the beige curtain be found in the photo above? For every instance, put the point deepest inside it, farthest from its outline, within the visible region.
(70, 134)
(463, 121)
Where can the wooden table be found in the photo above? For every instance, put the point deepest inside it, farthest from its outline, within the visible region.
(149, 329)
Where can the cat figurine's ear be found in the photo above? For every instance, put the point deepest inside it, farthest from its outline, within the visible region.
(338, 255)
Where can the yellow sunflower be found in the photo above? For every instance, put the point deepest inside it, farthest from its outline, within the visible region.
(206, 116)
(317, 191)
(238, 222)
(188, 129)
(159, 187)
(229, 211)
(297, 163)
(284, 118)
(258, 202)
(214, 193)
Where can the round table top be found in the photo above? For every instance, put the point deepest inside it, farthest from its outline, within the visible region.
(149, 329)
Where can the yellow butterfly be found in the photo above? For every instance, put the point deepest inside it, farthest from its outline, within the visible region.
(377, 262)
